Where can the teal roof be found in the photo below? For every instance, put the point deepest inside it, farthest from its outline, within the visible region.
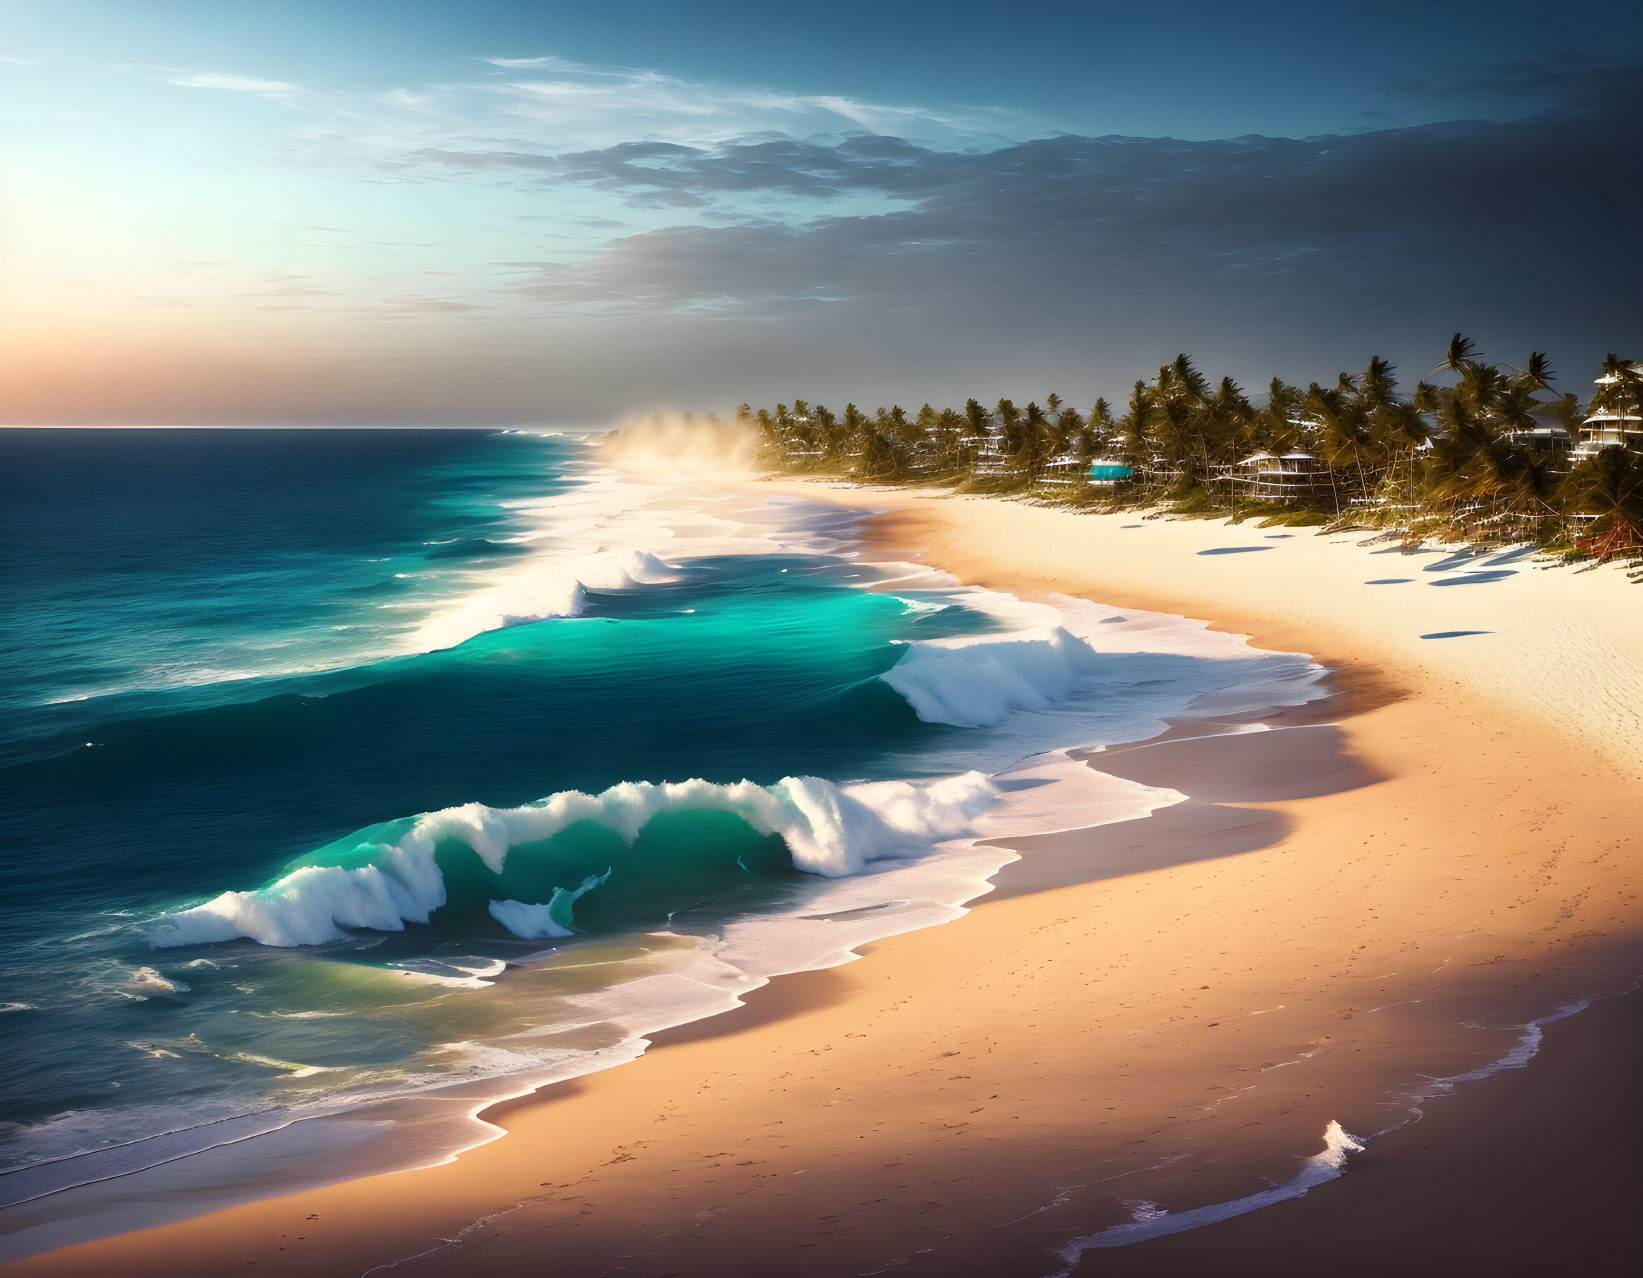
(1105, 470)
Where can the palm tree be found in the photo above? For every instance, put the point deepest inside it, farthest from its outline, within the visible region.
(1609, 485)
(1457, 475)
(948, 433)
(1184, 375)
(1538, 373)
(834, 440)
(854, 425)
(1470, 455)
(1009, 419)
(1462, 353)
(1397, 430)
(895, 422)
(1620, 389)
(1177, 422)
(1069, 431)
(1530, 486)
(1132, 427)
(798, 427)
(1012, 435)
(1231, 417)
(1275, 428)
(977, 425)
(1038, 440)
(1098, 430)
(878, 460)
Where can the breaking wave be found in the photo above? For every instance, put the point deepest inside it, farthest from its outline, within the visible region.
(977, 682)
(538, 594)
(462, 858)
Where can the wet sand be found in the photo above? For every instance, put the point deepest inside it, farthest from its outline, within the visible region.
(1162, 1011)
(1533, 1172)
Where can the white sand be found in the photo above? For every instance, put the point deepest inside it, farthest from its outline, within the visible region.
(1563, 647)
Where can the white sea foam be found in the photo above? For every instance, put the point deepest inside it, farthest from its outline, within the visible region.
(533, 922)
(145, 981)
(540, 593)
(977, 682)
(829, 830)
(1152, 1221)
(1045, 653)
(472, 975)
(1517, 1057)
(616, 531)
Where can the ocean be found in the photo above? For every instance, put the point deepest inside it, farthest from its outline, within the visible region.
(352, 780)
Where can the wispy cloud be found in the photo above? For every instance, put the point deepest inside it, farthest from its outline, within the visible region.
(735, 230)
(233, 83)
(426, 305)
(511, 124)
(548, 63)
(296, 290)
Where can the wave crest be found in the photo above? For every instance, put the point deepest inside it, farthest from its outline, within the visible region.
(542, 593)
(977, 683)
(389, 875)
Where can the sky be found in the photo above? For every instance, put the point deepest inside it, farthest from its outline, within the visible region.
(432, 213)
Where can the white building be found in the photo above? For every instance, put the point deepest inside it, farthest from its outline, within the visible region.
(1292, 477)
(1617, 417)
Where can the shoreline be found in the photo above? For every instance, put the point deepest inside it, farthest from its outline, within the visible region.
(1528, 1173)
(984, 988)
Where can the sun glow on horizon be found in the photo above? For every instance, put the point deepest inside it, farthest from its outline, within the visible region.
(204, 225)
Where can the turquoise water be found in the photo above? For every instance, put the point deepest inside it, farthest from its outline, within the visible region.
(677, 738)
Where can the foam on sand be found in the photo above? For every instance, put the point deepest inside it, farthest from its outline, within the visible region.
(1152, 1221)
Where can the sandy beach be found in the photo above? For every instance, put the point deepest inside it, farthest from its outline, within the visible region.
(1358, 899)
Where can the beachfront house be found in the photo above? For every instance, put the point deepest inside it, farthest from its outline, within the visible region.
(1547, 438)
(1617, 414)
(993, 460)
(1293, 476)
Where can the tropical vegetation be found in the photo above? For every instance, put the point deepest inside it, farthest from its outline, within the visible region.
(1483, 452)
